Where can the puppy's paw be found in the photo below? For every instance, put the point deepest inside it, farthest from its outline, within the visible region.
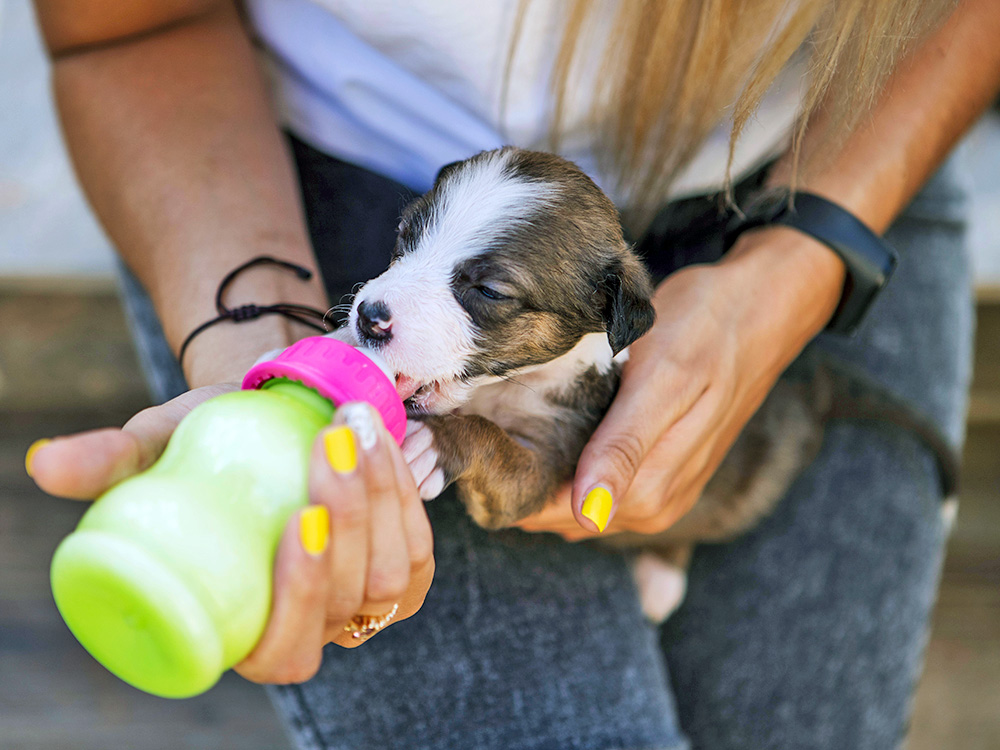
(422, 458)
(661, 586)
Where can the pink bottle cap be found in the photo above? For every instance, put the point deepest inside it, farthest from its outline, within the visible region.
(338, 371)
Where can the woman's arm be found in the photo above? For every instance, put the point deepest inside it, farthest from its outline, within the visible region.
(171, 135)
(174, 142)
(929, 103)
(724, 333)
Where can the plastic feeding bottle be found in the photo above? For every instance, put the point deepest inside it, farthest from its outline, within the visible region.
(167, 579)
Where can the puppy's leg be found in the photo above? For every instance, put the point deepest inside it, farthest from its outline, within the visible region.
(661, 577)
(500, 480)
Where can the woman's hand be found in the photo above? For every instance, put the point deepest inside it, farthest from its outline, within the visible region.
(362, 546)
(379, 556)
(724, 333)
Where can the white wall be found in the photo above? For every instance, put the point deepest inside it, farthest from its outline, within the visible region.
(45, 226)
(46, 229)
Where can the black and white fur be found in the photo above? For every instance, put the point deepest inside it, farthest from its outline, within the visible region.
(506, 313)
(510, 293)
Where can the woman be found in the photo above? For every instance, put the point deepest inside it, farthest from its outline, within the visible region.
(805, 633)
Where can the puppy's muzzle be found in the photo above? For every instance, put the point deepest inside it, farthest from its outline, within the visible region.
(374, 322)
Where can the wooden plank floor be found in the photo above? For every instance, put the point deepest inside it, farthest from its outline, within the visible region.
(66, 365)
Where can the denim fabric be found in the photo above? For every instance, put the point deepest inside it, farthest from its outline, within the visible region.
(807, 632)
(917, 339)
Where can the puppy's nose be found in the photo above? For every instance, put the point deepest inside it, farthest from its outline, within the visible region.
(374, 321)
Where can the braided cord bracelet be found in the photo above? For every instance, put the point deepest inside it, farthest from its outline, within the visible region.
(300, 313)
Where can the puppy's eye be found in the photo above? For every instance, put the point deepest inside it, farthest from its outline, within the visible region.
(490, 293)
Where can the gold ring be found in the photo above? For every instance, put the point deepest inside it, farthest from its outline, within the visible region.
(363, 626)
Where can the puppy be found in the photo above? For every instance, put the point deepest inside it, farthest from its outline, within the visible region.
(506, 312)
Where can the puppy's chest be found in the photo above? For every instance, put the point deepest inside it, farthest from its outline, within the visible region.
(513, 404)
(553, 392)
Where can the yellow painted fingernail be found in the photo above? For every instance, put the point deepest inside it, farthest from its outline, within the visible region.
(597, 507)
(341, 449)
(32, 450)
(314, 529)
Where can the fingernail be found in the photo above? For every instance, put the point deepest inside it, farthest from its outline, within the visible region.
(341, 453)
(32, 450)
(361, 419)
(314, 529)
(597, 507)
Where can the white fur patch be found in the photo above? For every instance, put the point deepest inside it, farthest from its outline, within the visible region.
(524, 392)
(949, 513)
(661, 586)
(506, 402)
(418, 439)
(432, 335)
(592, 350)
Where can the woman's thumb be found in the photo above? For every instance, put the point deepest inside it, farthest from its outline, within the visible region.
(85, 465)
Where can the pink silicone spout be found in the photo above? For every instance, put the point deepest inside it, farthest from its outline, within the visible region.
(338, 371)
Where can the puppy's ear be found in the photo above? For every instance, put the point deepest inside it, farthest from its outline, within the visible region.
(628, 309)
(445, 170)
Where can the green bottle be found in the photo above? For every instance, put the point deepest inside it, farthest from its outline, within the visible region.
(167, 579)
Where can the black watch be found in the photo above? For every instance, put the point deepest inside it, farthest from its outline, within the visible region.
(869, 259)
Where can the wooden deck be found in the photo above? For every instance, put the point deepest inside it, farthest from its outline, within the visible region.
(66, 365)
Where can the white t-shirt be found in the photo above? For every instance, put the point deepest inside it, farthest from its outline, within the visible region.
(403, 88)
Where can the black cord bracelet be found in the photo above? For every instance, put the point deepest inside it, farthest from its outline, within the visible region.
(299, 313)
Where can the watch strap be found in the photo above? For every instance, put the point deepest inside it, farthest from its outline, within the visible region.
(869, 260)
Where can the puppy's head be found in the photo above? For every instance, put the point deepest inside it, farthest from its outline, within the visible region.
(509, 260)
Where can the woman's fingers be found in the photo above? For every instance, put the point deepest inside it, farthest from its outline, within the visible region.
(337, 482)
(153, 427)
(360, 548)
(400, 548)
(353, 475)
(85, 465)
(416, 524)
(629, 430)
(388, 561)
(419, 537)
(291, 648)
(680, 450)
(557, 515)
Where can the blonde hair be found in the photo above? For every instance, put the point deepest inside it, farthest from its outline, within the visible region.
(673, 70)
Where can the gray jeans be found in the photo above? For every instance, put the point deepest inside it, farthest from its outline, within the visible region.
(807, 632)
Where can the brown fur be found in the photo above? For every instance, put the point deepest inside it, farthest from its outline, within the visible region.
(563, 277)
(571, 275)
(505, 476)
